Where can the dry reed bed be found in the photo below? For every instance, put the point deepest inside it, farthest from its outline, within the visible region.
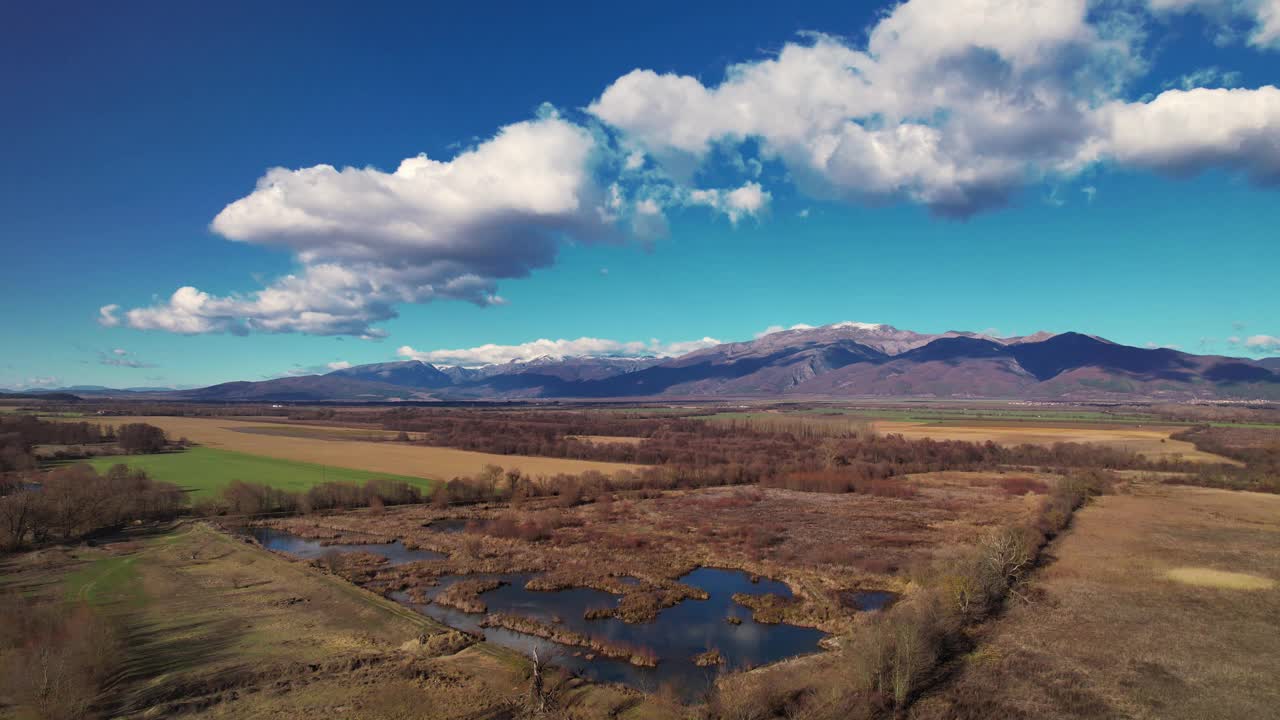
(820, 545)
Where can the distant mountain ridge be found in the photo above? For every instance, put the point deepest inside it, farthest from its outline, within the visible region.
(842, 360)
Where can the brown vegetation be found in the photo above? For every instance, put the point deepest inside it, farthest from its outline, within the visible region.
(1113, 631)
(54, 659)
(76, 501)
(638, 656)
(886, 662)
(242, 498)
(1257, 448)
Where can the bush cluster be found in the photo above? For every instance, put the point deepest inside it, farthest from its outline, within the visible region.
(888, 661)
(54, 659)
(76, 501)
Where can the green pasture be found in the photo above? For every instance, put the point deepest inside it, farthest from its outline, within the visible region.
(205, 471)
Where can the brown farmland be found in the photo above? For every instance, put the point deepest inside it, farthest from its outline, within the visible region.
(1151, 441)
(389, 457)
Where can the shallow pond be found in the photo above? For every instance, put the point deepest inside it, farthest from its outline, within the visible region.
(678, 633)
(449, 526)
(395, 552)
(868, 599)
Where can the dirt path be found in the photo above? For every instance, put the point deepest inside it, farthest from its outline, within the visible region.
(1159, 603)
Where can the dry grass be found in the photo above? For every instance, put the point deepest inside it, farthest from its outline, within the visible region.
(1152, 442)
(387, 457)
(1110, 635)
(608, 439)
(216, 627)
(1208, 577)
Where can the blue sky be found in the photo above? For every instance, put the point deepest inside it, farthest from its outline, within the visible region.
(1141, 216)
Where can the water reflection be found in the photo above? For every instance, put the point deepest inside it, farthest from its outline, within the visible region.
(395, 553)
(868, 599)
(449, 526)
(676, 635)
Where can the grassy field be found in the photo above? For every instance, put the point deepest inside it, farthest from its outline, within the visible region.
(1161, 602)
(382, 458)
(220, 629)
(205, 471)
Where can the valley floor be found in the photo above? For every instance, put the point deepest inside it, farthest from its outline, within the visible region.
(312, 445)
(207, 619)
(1159, 603)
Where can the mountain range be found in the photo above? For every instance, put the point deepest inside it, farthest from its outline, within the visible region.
(843, 360)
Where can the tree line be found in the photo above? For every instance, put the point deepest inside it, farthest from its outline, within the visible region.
(76, 501)
(20, 434)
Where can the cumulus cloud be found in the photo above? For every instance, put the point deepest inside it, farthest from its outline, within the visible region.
(954, 104)
(951, 103)
(368, 240)
(1183, 132)
(490, 354)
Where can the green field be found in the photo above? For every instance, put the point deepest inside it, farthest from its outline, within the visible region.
(205, 471)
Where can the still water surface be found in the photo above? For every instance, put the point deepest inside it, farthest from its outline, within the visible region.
(678, 633)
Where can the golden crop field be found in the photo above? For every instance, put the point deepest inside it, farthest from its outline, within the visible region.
(1154, 442)
(387, 457)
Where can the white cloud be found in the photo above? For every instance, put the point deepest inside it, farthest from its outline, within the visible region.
(951, 103)
(954, 104)
(1263, 343)
(584, 346)
(107, 316)
(338, 365)
(779, 328)
(1263, 15)
(750, 199)
(368, 240)
(1183, 132)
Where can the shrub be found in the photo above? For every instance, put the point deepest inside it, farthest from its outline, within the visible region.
(141, 438)
(1023, 486)
(56, 659)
